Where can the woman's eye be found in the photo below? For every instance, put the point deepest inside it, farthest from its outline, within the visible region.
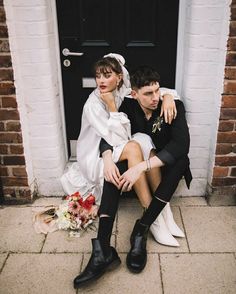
(107, 76)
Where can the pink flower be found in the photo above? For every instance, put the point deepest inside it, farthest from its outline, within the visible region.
(73, 207)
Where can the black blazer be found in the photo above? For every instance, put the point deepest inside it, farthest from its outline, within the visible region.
(171, 141)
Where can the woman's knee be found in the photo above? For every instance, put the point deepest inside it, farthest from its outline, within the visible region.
(133, 147)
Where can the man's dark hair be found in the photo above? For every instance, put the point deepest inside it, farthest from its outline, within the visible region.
(144, 76)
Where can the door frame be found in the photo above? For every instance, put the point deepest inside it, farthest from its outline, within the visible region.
(179, 60)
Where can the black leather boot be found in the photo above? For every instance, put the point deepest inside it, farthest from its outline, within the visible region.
(137, 256)
(98, 264)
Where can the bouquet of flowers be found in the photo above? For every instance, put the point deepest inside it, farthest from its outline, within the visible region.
(75, 213)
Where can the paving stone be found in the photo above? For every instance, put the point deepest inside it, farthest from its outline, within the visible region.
(188, 201)
(40, 273)
(44, 201)
(60, 241)
(126, 220)
(198, 273)
(210, 229)
(16, 231)
(3, 257)
(120, 280)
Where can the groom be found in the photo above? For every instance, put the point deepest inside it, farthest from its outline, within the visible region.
(171, 156)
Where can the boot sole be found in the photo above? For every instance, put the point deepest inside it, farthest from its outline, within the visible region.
(113, 265)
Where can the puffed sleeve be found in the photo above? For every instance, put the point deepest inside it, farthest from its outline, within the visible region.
(171, 92)
(114, 127)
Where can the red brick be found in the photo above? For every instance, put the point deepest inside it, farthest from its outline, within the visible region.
(225, 160)
(3, 149)
(6, 114)
(9, 102)
(16, 149)
(233, 12)
(13, 126)
(228, 113)
(229, 87)
(3, 171)
(232, 28)
(14, 181)
(14, 160)
(7, 88)
(231, 58)
(230, 73)
(6, 74)
(10, 138)
(231, 44)
(9, 192)
(226, 137)
(19, 172)
(2, 126)
(234, 148)
(2, 15)
(224, 181)
(223, 148)
(225, 126)
(233, 171)
(5, 61)
(220, 171)
(228, 101)
(4, 46)
(3, 31)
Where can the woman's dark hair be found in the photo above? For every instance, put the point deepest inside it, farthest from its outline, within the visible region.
(105, 65)
(144, 76)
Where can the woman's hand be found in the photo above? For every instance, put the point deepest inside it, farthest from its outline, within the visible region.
(109, 99)
(111, 171)
(168, 108)
(128, 179)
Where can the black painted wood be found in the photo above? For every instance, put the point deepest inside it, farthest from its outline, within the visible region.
(144, 32)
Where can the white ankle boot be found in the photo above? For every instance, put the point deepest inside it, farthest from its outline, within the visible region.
(170, 222)
(161, 232)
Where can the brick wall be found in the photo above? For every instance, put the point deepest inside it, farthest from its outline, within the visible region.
(13, 171)
(224, 176)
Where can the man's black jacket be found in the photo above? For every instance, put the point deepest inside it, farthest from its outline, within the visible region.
(171, 141)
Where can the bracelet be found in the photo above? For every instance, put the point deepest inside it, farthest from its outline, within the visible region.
(148, 165)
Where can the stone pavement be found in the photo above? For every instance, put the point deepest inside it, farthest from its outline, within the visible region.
(205, 262)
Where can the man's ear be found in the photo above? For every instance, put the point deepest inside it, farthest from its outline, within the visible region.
(133, 94)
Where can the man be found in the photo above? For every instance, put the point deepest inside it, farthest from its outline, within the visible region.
(172, 145)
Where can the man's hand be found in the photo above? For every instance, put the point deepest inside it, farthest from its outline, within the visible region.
(128, 178)
(168, 108)
(111, 171)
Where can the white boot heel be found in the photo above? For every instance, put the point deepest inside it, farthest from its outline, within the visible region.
(170, 222)
(161, 232)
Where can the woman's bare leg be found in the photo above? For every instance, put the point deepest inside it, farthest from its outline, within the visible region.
(133, 153)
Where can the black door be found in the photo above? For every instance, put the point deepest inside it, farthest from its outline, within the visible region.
(144, 32)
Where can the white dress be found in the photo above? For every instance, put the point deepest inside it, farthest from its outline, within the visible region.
(86, 175)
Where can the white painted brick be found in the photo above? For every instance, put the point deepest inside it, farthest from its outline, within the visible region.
(29, 14)
(210, 2)
(47, 153)
(199, 141)
(197, 188)
(22, 3)
(33, 29)
(198, 152)
(199, 173)
(49, 142)
(49, 173)
(203, 41)
(44, 130)
(200, 82)
(45, 81)
(196, 130)
(203, 54)
(46, 163)
(41, 119)
(35, 42)
(206, 13)
(201, 68)
(199, 118)
(50, 187)
(36, 69)
(197, 94)
(195, 106)
(36, 56)
(42, 108)
(204, 27)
